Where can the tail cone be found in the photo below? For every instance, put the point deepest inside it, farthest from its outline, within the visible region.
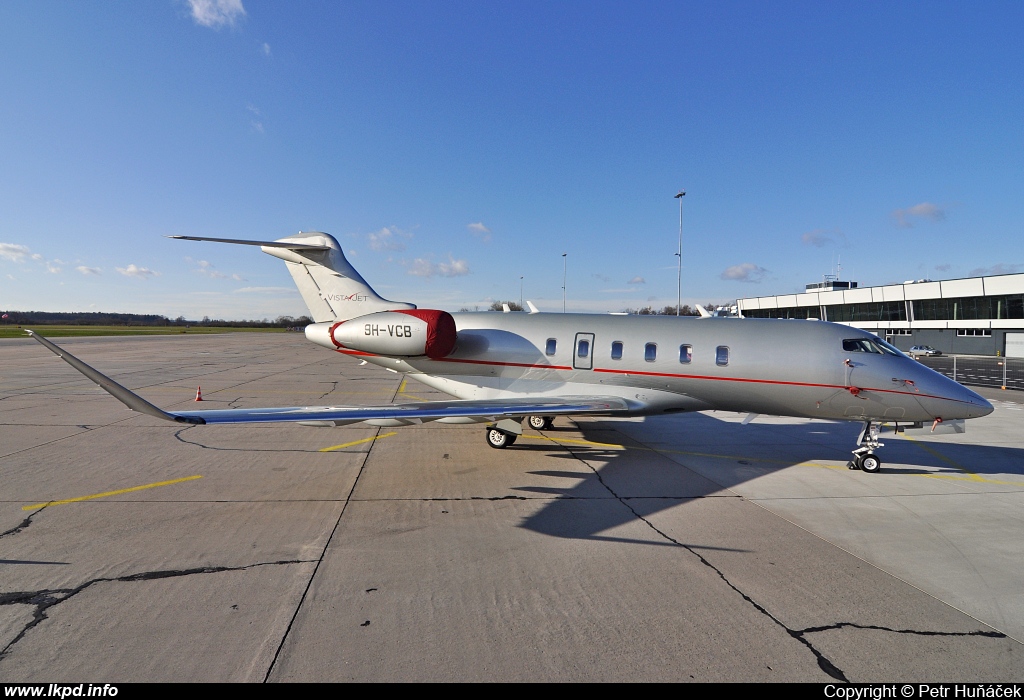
(199, 394)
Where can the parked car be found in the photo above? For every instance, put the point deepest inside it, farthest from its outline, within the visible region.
(925, 350)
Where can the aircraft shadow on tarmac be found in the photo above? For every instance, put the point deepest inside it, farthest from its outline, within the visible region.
(640, 479)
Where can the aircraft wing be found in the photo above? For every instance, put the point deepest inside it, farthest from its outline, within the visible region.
(422, 412)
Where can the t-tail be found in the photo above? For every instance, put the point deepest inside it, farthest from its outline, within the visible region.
(330, 286)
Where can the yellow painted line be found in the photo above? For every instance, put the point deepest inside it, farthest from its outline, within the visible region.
(357, 442)
(971, 476)
(111, 493)
(401, 391)
(581, 442)
(679, 452)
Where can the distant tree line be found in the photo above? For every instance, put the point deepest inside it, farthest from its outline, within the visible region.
(93, 318)
(685, 310)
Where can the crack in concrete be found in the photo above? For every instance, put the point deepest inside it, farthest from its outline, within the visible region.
(179, 438)
(994, 634)
(334, 386)
(47, 598)
(24, 524)
(823, 662)
(323, 553)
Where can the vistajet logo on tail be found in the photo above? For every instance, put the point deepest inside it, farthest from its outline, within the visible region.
(346, 297)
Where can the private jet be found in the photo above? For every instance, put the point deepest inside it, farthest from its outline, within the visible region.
(506, 368)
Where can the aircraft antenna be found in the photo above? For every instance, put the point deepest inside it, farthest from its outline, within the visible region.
(563, 282)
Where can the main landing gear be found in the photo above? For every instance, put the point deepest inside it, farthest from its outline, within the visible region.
(541, 422)
(504, 433)
(499, 439)
(864, 457)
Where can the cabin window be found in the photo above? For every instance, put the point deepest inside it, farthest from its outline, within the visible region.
(583, 348)
(685, 354)
(617, 350)
(549, 349)
(651, 352)
(722, 355)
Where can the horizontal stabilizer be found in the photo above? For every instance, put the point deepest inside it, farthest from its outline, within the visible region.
(265, 244)
(493, 409)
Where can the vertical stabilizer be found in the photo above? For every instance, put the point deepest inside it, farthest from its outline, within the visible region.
(332, 289)
(330, 286)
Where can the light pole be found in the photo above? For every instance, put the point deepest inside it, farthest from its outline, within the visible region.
(679, 273)
(563, 282)
(520, 292)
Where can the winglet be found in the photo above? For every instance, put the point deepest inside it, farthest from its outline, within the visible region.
(533, 309)
(128, 398)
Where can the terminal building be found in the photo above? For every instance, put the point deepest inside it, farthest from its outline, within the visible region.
(970, 316)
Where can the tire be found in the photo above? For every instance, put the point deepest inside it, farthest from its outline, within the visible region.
(870, 463)
(540, 422)
(499, 440)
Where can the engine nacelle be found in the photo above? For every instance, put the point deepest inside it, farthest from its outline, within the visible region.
(400, 333)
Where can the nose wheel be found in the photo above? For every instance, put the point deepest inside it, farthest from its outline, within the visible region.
(867, 462)
(864, 457)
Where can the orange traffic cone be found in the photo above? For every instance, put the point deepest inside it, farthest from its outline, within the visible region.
(199, 394)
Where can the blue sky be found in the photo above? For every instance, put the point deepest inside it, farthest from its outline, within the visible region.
(454, 147)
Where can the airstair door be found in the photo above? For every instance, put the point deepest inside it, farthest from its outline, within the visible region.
(583, 351)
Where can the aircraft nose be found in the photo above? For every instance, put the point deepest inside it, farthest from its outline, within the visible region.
(979, 405)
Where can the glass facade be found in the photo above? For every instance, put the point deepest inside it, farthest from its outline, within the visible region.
(970, 308)
(1004, 306)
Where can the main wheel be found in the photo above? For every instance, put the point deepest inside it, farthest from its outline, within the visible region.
(871, 463)
(498, 439)
(540, 422)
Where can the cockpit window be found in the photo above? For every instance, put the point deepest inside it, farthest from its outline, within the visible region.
(860, 345)
(891, 349)
(876, 346)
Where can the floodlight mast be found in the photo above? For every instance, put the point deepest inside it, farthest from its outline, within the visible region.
(679, 273)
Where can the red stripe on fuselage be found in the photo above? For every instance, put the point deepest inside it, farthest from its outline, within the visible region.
(776, 382)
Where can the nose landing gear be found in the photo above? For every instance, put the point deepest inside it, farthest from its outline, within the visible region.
(864, 457)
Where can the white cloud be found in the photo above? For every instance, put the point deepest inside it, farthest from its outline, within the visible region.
(421, 267)
(14, 252)
(744, 272)
(821, 237)
(134, 270)
(52, 269)
(89, 270)
(637, 280)
(997, 269)
(206, 269)
(388, 238)
(266, 290)
(257, 121)
(924, 210)
(216, 13)
(480, 231)
(266, 49)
